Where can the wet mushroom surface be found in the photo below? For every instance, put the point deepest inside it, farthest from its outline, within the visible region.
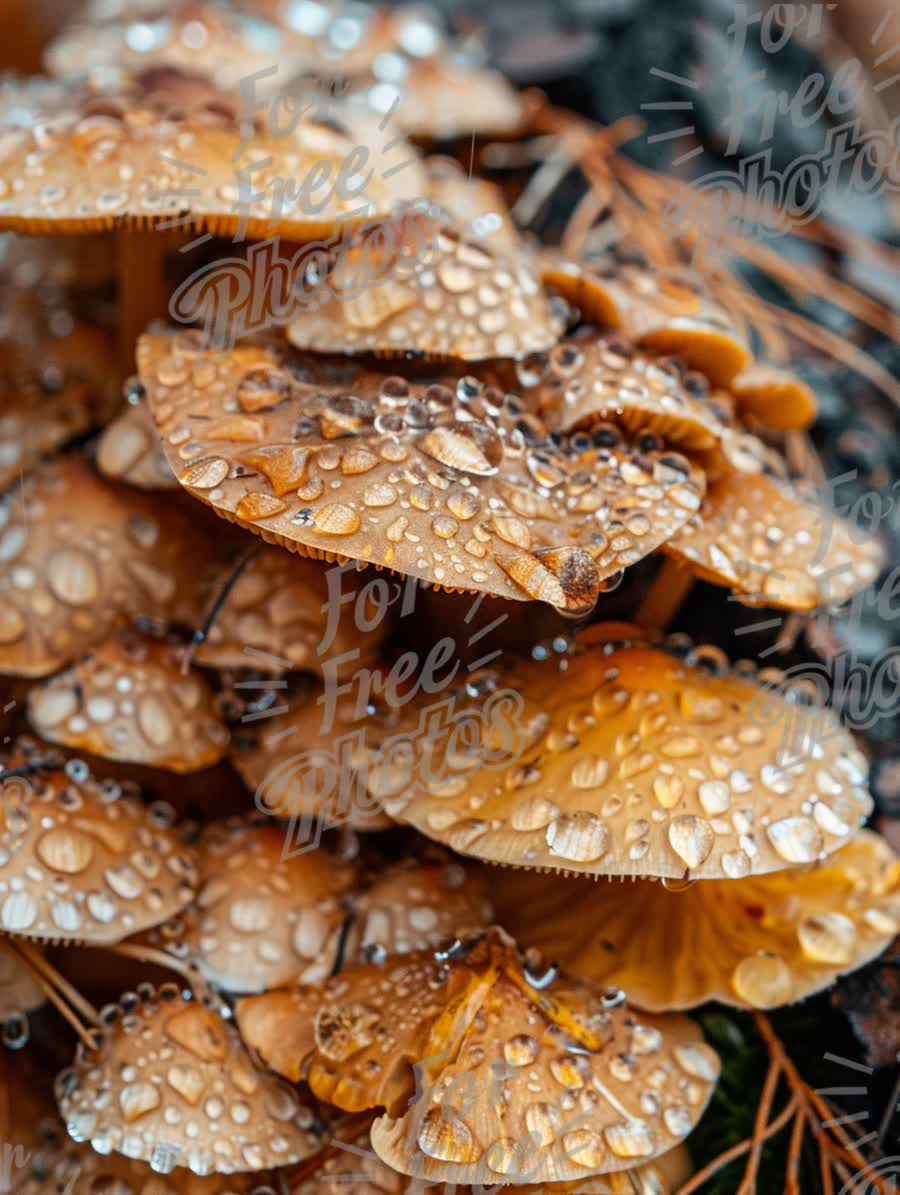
(460, 486)
(558, 1108)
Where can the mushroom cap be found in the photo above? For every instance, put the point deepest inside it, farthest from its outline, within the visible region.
(628, 760)
(342, 40)
(486, 1073)
(415, 905)
(78, 1169)
(767, 542)
(93, 866)
(584, 381)
(663, 312)
(131, 700)
(229, 44)
(171, 1083)
(261, 919)
(753, 943)
(447, 96)
(289, 762)
(401, 63)
(461, 488)
(129, 450)
(52, 390)
(166, 146)
(775, 397)
(357, 1162)
(20, 992)
(456, 297)
(475, 206)
(79, 556)
(276, 618)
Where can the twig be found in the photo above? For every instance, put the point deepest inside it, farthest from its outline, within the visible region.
(730, 1155)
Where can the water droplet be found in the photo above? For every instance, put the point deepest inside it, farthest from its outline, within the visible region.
(828, 938)
(763, 981)
(580, 836)
(521, 1050)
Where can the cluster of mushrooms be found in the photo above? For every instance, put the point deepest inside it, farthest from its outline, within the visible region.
(451, 983)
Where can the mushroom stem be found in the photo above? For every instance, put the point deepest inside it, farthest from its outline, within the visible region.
(67, 1000)
(666, 594)
(141, 277)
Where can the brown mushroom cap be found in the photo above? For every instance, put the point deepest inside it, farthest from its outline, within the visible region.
(129, 451)
(465, 299)
(277, 761)
(461, 488)
(80, 1170)
(662, 312)
(764, 540)
(402, 63)
(172, 1084)
(131, 700)
(164, 146)
(276, 618)
(52, 390)
(475, 206)
(753, 943)
(94, 866)
(509, 1067)
(586, 380)
(631, 761)
(20, 992)
(774, 397)
(228, 44)
(418, 906)
(446, 96)
(261, 919)
(358, 1164)
(79, 556)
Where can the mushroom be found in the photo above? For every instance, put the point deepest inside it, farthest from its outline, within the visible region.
(460, 487)
(170, 1083)
(754, 943)
(588, 380)
(475, 206)
(417, 905)
(164, 151)
(455, 298)
(66, 144)
(79, 556)
(52, 390)
(131, 700)
(260, 918)
(80, 1170)
(221, 40)
(298, 765)
(355, 1162)
(280, 615)
(772, 546)
(447, 96)
(664, 313)
(399, 62)
(129, 451)
(487, 1072)
(634, 760)
(774, 397)
(83, 863)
